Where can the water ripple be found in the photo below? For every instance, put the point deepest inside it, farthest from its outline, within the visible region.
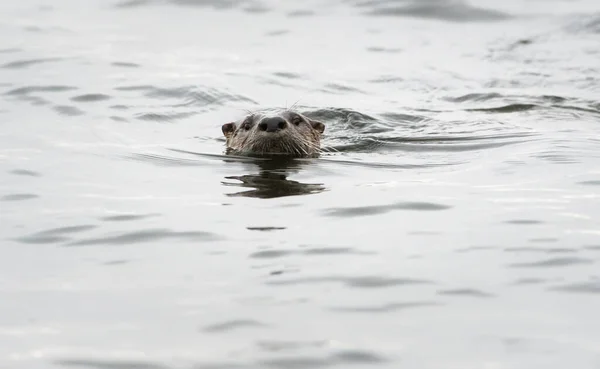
(161, 160)
(265, 229)
(528, 281)
(125, 65)
(555, 262)
(18, 197)
(547, 250)
(149, 235)
(356, 282)
(387, 308)
(380, 209)
(233, 325)
(188, 96)
(165, 117)
(469, 292)
(68, 110)
(134, 88)
(300, 13)
(510, 108)
(523, 222)
(27, 63)
(10, 50)
(457, 12)
(126, 217)
(384, 49)
(90, 97)
(194, 97)
(592, 287)
(25, 172)
(317, 251)
(353, 131)
(590, 183)
(109, 364)
(55, 235)
(32, 89)
(344, 359)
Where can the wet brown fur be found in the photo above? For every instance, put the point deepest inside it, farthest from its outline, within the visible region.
(300, 138)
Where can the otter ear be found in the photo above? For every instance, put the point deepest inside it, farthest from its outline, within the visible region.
(318, 126)
(228, 129)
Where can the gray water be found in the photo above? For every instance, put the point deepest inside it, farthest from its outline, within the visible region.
(452, 222)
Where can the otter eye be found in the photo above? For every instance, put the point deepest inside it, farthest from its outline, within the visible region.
(247, 124)
(297, 120)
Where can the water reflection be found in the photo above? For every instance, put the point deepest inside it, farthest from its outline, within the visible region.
(272, 181)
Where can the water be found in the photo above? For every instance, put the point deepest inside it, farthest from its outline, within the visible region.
(452, 223)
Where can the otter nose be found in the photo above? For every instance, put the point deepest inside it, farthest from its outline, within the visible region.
(272, 124)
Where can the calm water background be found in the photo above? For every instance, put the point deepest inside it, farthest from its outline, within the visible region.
(453, 223)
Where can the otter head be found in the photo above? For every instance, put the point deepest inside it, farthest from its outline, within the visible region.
(270, 133)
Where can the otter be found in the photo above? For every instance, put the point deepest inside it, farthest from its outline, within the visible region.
(274, 132)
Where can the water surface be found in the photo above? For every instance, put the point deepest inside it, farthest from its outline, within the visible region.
(452, 220)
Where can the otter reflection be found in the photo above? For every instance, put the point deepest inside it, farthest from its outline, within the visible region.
(271, 181)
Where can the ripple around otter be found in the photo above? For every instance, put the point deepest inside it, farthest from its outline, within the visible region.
(378, 144)
(380, 209)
